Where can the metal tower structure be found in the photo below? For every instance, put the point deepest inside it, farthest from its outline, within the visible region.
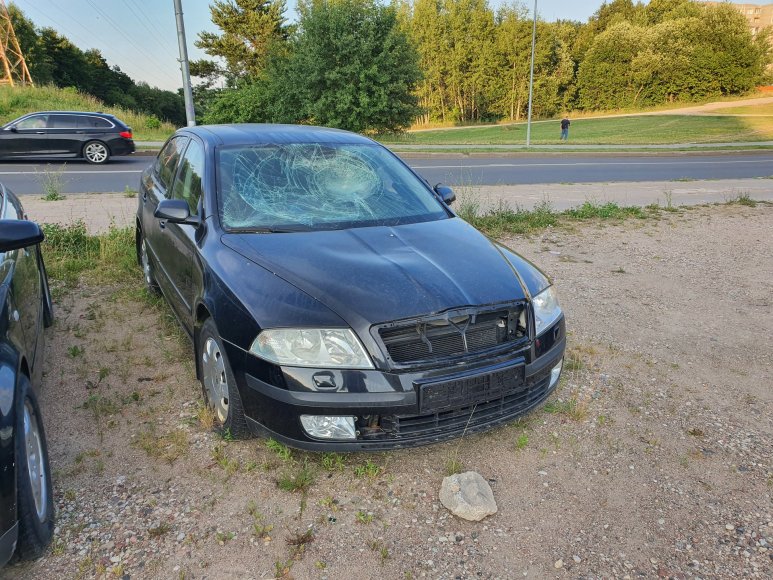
(14, 66)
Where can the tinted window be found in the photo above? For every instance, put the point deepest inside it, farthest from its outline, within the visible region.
(86, 122)
(62, 121)
(33, 122)
(166, 163)
(188, 184)
(307, 186)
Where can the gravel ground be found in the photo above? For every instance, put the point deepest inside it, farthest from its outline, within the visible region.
(652, 460)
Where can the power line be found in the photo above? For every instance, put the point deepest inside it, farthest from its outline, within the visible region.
(148, 24)
(118, 29)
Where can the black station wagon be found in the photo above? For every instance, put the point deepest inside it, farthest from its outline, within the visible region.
(334, 299)
(94, 137)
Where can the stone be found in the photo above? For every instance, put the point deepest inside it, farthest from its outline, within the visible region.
(468, 496)
(558, 564)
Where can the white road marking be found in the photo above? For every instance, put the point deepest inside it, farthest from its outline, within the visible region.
(593, 163)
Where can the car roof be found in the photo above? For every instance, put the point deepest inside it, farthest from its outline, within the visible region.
(259, 133)
(89, 113)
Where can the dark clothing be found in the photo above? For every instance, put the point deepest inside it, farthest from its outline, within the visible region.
(565, 129)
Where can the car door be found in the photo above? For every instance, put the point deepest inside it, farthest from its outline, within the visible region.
(157, 188)
(64, 137)
(178, 244)
(25, 137)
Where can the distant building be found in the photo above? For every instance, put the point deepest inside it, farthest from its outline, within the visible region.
(758, 15)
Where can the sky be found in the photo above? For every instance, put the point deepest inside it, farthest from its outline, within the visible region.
(140, 35)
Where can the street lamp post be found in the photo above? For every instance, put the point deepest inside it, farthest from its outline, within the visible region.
(187, 92)
(531, 74)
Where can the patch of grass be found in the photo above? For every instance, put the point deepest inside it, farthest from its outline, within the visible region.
(75, 351)
(51, 182)
(367, 469)
(299, 481)
(362, 517)
(227, 464)
(521, 441)
(168, 447)
(380, 549)
(744, 199)
(298, 542)
(129, 192)
(633, 130)
(101, 406)
(205, 416)
(223, 537)
(333, 461)
(570, 408)
(618, 270)
(71, 252)
(259, 528)
(453, 466)
(282, 451)
(506, 220)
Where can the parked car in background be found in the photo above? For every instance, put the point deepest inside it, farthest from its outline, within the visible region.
(26, 494)
(95, 137)
(334, 299)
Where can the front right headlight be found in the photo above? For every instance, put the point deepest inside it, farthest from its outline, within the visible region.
(312, 347)
(546, 309)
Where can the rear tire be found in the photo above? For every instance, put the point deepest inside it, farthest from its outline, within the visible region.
(96, 152)
(35, 494)
(220, 391)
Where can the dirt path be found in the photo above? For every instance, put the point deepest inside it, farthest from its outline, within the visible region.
(653, 460)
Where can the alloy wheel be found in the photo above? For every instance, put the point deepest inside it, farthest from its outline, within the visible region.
(146, 264)
(96, 152)
(36, 464)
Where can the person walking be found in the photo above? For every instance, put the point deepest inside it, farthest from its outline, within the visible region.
(565, 122)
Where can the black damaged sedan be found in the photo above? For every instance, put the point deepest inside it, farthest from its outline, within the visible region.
(334, 299)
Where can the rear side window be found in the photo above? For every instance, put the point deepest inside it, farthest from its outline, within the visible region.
(85, 122)
(33, 122)
(62, 121)
(188, 184)
(166, 163)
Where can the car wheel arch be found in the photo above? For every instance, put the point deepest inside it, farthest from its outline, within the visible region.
(202, 313)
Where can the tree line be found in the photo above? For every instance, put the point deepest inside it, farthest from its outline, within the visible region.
(368, 66)
(53, 60)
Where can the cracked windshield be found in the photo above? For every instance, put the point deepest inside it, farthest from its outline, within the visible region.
(306, 186)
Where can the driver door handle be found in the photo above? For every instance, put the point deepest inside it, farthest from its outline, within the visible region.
(40, 132)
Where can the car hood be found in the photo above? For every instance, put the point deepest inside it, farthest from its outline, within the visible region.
(378, 274)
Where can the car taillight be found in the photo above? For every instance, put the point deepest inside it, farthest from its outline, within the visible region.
(126, 134)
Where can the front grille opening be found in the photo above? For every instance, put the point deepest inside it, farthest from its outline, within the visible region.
(472, 417)
(456, 334)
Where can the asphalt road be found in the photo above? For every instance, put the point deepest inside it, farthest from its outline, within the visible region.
(124, 172)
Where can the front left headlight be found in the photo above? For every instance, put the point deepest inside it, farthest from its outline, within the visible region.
(312, 347)
(546, 309)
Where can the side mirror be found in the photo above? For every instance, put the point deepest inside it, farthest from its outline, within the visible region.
(176, 211)
(15, 234)
(13, 129)
(446, 193)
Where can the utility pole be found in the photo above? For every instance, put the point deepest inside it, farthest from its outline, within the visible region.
(11, 55)
(531, 75)
(187, 91)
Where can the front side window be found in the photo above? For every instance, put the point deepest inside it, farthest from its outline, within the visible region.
(166, 162)
(309, 186)
(33, 122)
(188, 183)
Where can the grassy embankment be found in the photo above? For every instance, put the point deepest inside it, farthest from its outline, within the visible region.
(18, 101)
(633, 130)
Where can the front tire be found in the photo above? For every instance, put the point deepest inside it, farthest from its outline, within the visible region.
(35, 494)
(96, 152)
(220, 390)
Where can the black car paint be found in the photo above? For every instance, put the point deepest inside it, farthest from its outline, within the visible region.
(62, 142)
(23, 294)
(354, 278)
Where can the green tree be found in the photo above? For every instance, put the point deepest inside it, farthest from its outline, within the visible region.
(249, 28)
(351, 67)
